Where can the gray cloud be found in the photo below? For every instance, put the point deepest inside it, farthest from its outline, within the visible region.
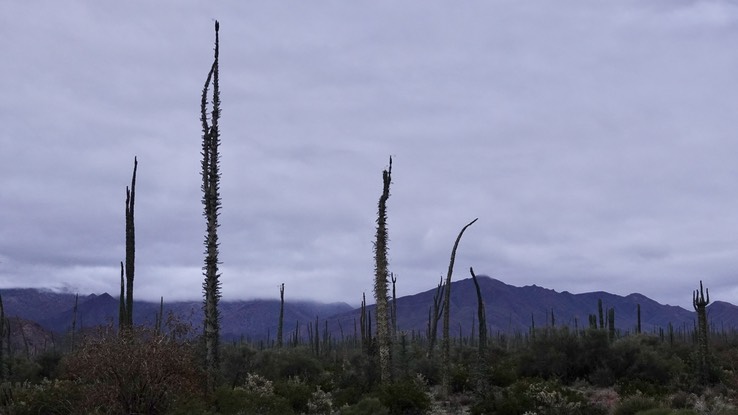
(593, 140)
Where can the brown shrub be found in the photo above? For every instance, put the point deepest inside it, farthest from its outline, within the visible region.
(135, 371)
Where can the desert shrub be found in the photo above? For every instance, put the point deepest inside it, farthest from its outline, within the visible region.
(21, 369)
(564, 355)
(243, 401)
(460, 379)
(366, 406)
(55, 397)
(635, 404)
(429, 368)
(501, 372)
(139, 371)
(320, 403)
(48, 364)
(288, 363)
(236, 361)
(407, 396)
(664, 411)
(682, 400)
(358, 373)
(347, 396)
(641, 364)
(714, 402)
(296, 392)
(513, 399)
(542, 398)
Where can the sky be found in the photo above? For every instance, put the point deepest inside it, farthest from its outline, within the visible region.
(596, 141)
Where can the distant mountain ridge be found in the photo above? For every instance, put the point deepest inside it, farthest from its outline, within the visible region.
(508, 309)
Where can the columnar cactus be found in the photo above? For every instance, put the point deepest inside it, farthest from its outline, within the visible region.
(280, 324)
(699, 302)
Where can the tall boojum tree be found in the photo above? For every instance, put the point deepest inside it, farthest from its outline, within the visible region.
(381, 275)
(212, 204)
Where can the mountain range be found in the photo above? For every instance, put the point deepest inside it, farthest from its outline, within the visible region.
(508, 309)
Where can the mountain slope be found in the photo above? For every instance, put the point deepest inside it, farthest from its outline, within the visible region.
(509, 309)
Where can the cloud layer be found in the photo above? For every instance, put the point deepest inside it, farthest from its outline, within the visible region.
(594, 140)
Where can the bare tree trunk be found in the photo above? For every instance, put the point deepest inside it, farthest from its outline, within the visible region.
(481, 315)
(446, 345)
(433, 317)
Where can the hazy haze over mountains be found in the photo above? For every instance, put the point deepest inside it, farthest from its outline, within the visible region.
(508, 309)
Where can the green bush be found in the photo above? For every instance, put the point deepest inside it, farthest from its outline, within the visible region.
(55, 397)
(542, 398)
(296, 392)
(460, 379)
(240, 401)
(429, 368)
(406, 397)
(366, 406)
(634, 405)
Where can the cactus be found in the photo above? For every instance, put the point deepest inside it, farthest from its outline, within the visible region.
(159, 316)
(638, 316)
(122, 300)
(281, 316)
(366, 328)
(699, 302)
(74, 319)
(130, 245)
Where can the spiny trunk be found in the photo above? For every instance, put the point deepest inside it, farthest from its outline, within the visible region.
(380, 282)
(211, 202)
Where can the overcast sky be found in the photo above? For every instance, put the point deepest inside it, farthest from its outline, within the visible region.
(596, 141)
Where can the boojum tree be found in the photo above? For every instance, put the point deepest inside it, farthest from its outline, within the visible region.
(212, 204)
(381, 275)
